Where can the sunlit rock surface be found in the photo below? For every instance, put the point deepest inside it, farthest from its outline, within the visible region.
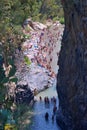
(42, 49)
(72, 76)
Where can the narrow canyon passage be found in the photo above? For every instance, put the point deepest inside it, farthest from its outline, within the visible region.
(39, 110)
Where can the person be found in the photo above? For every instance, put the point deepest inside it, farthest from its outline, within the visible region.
(54, 109)
(54, 100)
(45, 100)
(40, 98)
(52, 117)
(46, 115)
(35, 92)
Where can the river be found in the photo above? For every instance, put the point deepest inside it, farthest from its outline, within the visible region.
(39, 110)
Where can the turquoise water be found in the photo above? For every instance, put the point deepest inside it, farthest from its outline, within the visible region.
(39, 110)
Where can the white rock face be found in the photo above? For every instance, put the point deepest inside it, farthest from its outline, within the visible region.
(41, 49)
(36, 77)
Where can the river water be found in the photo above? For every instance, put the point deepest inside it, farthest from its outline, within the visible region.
(39, 110)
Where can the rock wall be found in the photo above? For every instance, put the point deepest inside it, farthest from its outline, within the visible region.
(72, 76)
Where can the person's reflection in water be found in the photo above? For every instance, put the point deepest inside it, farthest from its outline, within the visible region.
(52, 118)
(46, 116)
(47, 106)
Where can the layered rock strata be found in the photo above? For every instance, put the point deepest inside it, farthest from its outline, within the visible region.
(72, 76)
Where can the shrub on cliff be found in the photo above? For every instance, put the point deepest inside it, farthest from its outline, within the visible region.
(61, 20)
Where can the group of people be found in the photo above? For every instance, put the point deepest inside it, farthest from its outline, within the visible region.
(47, 101)
(41, 45)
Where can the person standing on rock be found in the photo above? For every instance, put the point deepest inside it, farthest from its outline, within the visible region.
(40, 98)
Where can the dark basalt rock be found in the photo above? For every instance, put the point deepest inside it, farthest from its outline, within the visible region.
(24, 94)
(72, 74)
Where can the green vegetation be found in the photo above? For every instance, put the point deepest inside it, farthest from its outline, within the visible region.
(15, 12)
(12, 16)
(27, 61)
(23, 116)
(61, 20)
(51, 9)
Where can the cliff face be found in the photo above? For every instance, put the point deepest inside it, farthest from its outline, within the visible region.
(72, 76)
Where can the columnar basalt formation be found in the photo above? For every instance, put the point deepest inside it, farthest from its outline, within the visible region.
(72, 75)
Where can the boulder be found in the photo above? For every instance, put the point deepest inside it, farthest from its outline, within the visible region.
(23, 94)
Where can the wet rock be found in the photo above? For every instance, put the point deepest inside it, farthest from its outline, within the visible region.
(28, 22)
(23, 94)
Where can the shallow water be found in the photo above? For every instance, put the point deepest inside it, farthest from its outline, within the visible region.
(39, 110)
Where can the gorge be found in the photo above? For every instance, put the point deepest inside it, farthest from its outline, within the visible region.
(35, 63)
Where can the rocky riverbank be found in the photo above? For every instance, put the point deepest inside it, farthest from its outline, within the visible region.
(42, 50)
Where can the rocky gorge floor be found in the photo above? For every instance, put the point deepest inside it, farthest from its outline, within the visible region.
(42, 49)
